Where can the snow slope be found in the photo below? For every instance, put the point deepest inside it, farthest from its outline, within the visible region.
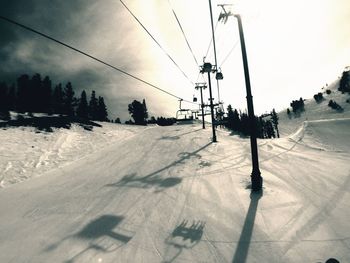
(316, 111)
(166, 194)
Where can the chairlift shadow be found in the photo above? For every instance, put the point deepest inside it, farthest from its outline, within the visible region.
(134, 181)
(103, 226)
(184, 236)
(154, 179)
(102, 235)
(176, 137)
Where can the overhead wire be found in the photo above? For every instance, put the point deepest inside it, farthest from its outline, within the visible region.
(214, 46)
(229, 53)
(160, 46)
(237, 41)
(211, 40)
(92, 57)
(183, 33)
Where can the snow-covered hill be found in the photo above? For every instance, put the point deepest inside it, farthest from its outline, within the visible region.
(316, 111)
(167, 194)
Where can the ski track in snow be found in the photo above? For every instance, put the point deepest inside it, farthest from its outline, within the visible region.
(166, 194)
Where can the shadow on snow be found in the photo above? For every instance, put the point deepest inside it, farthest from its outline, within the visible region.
(176, 137)
(154, 179)
(184, 236)
(242, 248)
(101, 234)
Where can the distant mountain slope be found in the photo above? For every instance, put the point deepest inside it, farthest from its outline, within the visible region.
(316, 111)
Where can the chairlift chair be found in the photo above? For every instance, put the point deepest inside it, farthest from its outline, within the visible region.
(219, 76)
(184, 115)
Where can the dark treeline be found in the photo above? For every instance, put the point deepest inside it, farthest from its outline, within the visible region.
(37, 94)
(239, 122)
(162, 121)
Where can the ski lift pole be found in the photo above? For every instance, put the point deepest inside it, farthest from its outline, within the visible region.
(208, 68)
(256, 175)
(212, 109)
(201, 87)
(180, 100)
(214, 44)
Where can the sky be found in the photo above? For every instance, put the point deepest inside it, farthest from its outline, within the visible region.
(294, 49)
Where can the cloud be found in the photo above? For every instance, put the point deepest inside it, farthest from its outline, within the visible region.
(101, 30)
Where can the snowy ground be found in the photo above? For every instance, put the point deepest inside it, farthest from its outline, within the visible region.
(26, 152)
(166, 194)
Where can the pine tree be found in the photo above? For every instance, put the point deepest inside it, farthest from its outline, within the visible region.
(230, 117)
(260, 131)
(138, 112)
(101, 110)
(11, 96)
(46, 95)
(34, 98)
(57, 100)
(245, 124)
(93, 106)
(270, 130)
(3, 97)
(145, 109)
(68, 100)
(4, 103)
(83, 108)
(23, 91)
(275, 118)
(117, 120)
(233, 119)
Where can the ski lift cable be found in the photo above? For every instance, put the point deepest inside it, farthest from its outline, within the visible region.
(92, 57)
(229, 53)
(160, 46)
(183, 33)
(211, 40)
(214, 45)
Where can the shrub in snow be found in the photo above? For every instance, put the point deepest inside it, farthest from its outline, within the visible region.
(297, 106)
(335, 106)
(318, 97)
(328, 91)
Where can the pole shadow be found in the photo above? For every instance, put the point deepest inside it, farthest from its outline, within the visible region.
(242, 249)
